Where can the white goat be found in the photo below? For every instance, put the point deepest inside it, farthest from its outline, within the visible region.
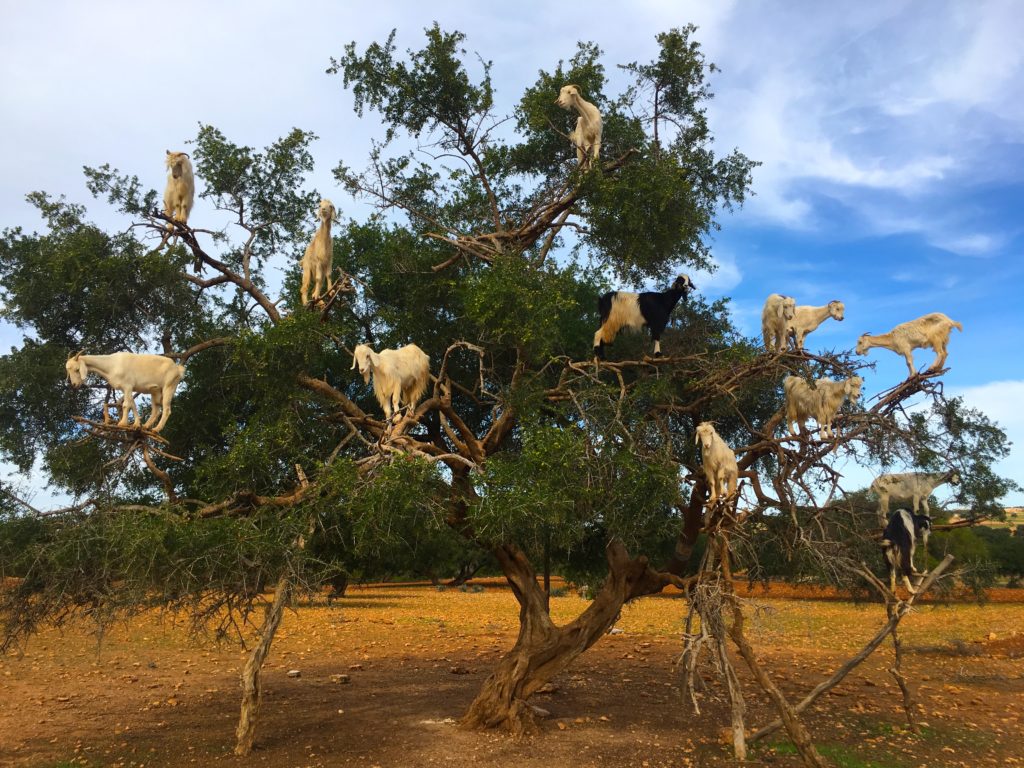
(916, 486)
(807, 318)
(931, 330)
(131, 373)
(820, 402)
(720, 468)
(400, 376)
(775, 317)
(317, 261)
(586, 137)
(181, 187)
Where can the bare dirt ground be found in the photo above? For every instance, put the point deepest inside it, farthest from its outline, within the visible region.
(414, 658)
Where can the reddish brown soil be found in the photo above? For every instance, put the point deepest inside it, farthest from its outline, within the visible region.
(415, 658)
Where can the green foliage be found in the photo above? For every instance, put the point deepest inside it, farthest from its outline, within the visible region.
(654, 197)
(39, 273)
(268, 184)
(533, 310)
(1004, 549)
(561, 491)
(107, 565)
(432, 91)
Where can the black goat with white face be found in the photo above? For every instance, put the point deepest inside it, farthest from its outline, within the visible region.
(625, 309)
(899, 540)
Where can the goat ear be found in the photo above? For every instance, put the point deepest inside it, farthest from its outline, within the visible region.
(83, 370)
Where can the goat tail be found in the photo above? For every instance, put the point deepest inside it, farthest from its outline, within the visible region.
(958, 326)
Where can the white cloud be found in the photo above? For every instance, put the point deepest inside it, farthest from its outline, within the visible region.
(904, 98)
(720, 282)
(1001, 401)
(968, 244)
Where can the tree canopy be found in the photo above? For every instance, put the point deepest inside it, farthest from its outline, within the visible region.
(488, 248)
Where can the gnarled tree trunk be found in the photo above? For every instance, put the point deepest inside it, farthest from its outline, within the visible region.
(543, 649)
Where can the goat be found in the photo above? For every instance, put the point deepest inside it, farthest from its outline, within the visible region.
(916, 486)
(820, 402)
(719, 460)
(180, 189)
(586, 137)
(775, 317)
(131, 373)
(807, 318)
(317, 261)
(899, 540)
(931, 330)
(624, 309)
(400, 376)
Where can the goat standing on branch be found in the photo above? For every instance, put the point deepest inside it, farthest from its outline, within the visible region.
(400, 376)
(916, 486)
(624, 309)
(931, 330)
(820, 402)
(180, 189)
(317, 262)
(132, 373)
(775, 318)
(807, 318)
(586, 137)
(899, 541)
(719, 461)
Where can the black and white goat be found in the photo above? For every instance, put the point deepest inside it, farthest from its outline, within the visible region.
(625, 309)
(899, 540)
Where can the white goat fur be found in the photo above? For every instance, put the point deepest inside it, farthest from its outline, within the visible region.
(400, 376)
(181, 187)
(916, 486)
(131, 373)
(775, 317)
(625, 313)
(720, 468)
(807, 318)
(587, 135)
(318, 259)
(931, 330)
(820, 402)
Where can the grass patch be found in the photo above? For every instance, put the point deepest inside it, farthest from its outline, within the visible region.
(840, 755)
(888, 738)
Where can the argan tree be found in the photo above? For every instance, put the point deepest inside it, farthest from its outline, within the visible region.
(488, 249)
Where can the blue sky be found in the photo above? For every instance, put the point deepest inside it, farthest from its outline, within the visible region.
(890, 135)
